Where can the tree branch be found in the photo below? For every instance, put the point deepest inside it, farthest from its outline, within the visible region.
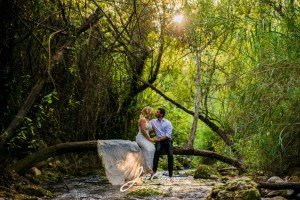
(39, 85)
(209, 123)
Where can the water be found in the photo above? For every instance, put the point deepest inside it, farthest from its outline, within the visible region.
(86, 187)
(91, 188)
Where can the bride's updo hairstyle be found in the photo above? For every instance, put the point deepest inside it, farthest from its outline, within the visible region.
(147, 112)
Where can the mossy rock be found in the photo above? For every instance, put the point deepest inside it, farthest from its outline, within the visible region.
(34, 190)
(277, 198)
(41, 164)
(103, 180)
(189, 173)
(24, 197)
(144, 192)
(235, 190)
(205, 171)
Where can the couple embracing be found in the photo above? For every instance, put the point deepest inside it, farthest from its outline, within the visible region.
(124, 159)
(163, 141)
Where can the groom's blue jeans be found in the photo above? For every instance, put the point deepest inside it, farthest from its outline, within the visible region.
(167, 145)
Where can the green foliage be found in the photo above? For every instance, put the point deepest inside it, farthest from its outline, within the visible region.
(25, 139)
(271, 120)
(29, 137)
(180, 162)
(206, 137)
(249, 73)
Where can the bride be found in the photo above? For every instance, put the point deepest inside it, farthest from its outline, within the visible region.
(123, 159)
(144, 140)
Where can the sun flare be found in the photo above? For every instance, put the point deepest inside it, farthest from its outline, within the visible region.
(178, 18)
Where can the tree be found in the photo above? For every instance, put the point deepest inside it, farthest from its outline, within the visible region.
(56, 59)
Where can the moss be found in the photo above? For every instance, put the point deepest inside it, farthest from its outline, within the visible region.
(251, 194)
(144, 192)
(205, 171)
(189, 173)
(238, 190)
(41, 164)
(103, 180)
(216, 189)
(232, 173)
(24, 197)
(34, 190)
(278, 198)
(166, 195)
(51, 175)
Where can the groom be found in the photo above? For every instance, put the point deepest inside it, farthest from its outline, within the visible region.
(163, 131)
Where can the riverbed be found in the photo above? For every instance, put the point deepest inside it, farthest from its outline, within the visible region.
(92, 188)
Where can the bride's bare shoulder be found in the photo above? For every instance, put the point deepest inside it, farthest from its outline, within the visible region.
(142, 120)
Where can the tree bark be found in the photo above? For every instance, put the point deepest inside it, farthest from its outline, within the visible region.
(194, 152)
(281, 186)
(72, 147)
(39, 85)
(190, 143)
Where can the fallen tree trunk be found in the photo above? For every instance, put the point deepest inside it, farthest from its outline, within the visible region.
(281, 186)
(72, 147)
(189, 151)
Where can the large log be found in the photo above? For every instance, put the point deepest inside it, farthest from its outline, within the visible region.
(189, 151)
(281, 186)
(72, 147)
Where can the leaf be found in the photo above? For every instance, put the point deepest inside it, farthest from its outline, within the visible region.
(28, 119)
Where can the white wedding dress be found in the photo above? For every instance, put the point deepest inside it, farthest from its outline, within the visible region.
(147, 147)
(123, 159)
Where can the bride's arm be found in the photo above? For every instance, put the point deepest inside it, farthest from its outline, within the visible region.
(151, 129)
(142, 124)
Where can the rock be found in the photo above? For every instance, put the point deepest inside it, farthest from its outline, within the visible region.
(294, 179)
(35, 171)
(275, 198)
(275, 179)
(279, 198)
(244, 178)
(275, 193)
(237, 190)
(41, 164)
(280, 193)
(144, 192)
(205, 171)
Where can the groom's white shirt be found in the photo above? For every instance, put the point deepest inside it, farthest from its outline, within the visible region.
(163, 128)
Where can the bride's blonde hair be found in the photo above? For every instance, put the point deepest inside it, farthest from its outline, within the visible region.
(147, 112)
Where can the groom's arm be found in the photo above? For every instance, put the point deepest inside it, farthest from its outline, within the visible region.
(167, 131)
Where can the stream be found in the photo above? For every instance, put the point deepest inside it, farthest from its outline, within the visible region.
(91, 188)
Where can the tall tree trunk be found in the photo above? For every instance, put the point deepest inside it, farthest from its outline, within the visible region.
(38, 86)
(190, 143)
